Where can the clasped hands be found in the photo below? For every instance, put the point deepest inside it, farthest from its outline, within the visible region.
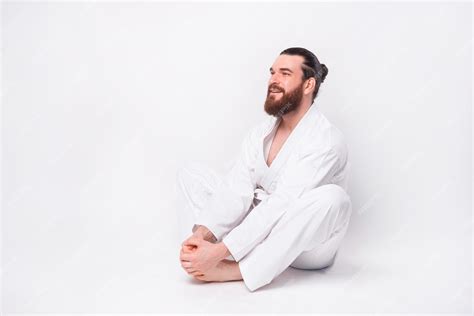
(198, 254)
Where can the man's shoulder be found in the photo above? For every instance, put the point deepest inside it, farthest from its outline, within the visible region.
(326, 136)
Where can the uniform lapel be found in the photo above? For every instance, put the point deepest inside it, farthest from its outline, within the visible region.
(303, 126)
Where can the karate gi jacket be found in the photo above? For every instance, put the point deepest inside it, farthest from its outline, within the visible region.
(253, 196)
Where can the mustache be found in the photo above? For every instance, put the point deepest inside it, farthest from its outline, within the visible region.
(274, 87)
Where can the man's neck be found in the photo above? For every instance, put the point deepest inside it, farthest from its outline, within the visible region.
(291, 119)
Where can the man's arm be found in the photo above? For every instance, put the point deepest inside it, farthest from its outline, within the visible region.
(312, 170)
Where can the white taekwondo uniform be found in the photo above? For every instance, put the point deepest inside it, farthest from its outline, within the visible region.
(294, 212)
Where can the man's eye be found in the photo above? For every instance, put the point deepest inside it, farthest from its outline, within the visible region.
(286, 74)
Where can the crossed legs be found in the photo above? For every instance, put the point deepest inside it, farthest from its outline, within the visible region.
(306, 237)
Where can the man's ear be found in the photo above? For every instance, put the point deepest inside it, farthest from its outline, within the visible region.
(310, 83)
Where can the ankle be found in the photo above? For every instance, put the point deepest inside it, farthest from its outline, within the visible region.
(205, 234)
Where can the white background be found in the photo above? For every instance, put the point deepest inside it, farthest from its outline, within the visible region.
(103, 102)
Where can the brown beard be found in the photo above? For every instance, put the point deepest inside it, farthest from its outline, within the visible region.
(288, 101)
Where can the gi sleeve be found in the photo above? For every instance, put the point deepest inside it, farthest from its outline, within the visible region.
(311, 169)
(231, 200)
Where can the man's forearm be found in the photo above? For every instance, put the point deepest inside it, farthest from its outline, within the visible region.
(205, 233)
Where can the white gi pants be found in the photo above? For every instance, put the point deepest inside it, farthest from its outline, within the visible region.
(307, 236)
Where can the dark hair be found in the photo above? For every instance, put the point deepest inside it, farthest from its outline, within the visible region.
(311, 66)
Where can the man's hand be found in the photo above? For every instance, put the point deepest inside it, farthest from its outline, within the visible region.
(198, 255)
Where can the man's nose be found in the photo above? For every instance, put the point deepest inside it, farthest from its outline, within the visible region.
(274, 81)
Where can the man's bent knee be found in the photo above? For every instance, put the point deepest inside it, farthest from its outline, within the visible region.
(333, 195)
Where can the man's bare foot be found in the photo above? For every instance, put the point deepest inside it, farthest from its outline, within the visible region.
(226, 270)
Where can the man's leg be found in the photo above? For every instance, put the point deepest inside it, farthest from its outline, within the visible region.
(195, 184)
(323, 255)
(316, 217)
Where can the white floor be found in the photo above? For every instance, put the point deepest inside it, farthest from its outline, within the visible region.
(148, 278)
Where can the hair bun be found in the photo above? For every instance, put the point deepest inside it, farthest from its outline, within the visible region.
(324, 72)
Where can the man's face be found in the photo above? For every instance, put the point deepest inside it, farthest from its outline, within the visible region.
(285, 87)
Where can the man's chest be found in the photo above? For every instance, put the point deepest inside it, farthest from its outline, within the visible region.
(277, 144)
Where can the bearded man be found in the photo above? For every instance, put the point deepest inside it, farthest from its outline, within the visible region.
(283, 203)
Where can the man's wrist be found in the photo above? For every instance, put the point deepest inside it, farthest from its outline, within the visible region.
(223, 251)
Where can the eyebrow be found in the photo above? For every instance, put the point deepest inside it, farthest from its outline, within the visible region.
(282, 69)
